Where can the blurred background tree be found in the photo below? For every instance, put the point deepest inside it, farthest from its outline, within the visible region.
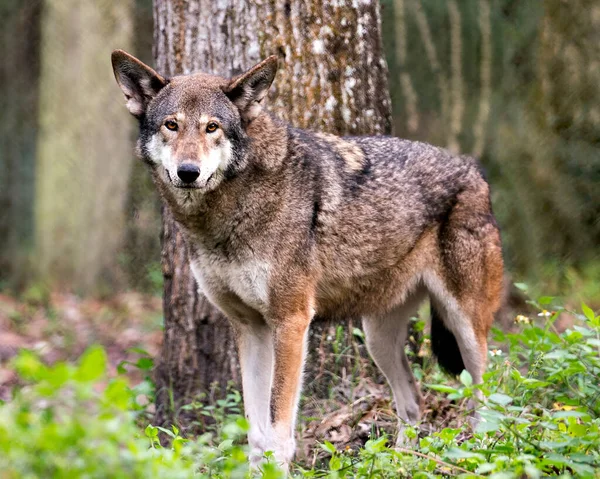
(71, 215)
(19, 77)
(515, 84)
(81, 175)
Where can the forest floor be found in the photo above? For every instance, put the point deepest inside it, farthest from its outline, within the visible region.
(540, 418)
(60, 327)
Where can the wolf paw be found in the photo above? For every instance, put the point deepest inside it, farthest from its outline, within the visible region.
(282, 450)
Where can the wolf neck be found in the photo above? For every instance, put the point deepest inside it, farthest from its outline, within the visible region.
(268, 140)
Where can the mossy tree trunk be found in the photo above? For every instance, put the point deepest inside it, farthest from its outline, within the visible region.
(332, 77)
(84, 142)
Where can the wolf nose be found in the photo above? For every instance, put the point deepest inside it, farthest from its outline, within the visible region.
(188, 173)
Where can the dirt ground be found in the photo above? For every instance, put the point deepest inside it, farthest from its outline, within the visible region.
(62, 326)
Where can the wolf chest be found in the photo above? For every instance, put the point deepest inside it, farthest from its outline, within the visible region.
(248, 280)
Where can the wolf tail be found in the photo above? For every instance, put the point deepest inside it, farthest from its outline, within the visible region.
(444, 345)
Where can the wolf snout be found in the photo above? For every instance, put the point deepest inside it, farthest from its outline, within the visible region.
(188, 173)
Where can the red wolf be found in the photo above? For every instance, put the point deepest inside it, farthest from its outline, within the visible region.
(282, 223)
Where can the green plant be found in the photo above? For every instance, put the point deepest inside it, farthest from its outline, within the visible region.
(71, 421)
(540, 417)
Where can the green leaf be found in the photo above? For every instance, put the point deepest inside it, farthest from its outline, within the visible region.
(503, 475)
(563, 414)
(29, 366)
(557, 354)
(546, 299)
(485, 468)
(178, 444)
(121, 369)
(587, 311)
(151, 431)
(327, 446)
(456, 453)
(140, 351)
(376, 445)
(501, 399)
(358, 333)
(335, 463)
(118, 394)
(225, 445)
(59, 374)
(466, 378)
(522, 286)
(442, 388)
(145, 363)
(168, 432)
(455, 396)
(534, 383)
(532, 472)
(487, 426)
(92, 364)
(578, 430)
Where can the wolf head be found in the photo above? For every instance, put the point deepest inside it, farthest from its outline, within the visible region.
(192, 127)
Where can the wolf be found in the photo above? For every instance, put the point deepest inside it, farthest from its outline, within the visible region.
(282, 223)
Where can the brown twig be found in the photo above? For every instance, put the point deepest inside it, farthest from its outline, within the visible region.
(434, 459)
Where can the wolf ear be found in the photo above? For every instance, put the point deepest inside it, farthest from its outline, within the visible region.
(247, 90)
(139, 82)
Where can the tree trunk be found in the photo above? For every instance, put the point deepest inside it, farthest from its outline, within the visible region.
(332, 77)
(19, 49)
(81, 176)
(569, 105)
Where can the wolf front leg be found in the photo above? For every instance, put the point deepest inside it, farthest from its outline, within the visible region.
(289, 339)
(255, 348)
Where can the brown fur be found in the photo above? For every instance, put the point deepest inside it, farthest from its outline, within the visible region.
(351, 154)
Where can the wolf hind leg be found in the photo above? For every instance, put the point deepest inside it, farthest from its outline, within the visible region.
(465, 291)
(455, 338)
(386, 339)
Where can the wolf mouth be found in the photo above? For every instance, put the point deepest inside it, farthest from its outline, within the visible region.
(184, 186)
(179, 185)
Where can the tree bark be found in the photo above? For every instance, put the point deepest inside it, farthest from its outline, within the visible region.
(332, 77)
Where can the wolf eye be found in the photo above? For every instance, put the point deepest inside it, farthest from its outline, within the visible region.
(212, 127)
(171, 125)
